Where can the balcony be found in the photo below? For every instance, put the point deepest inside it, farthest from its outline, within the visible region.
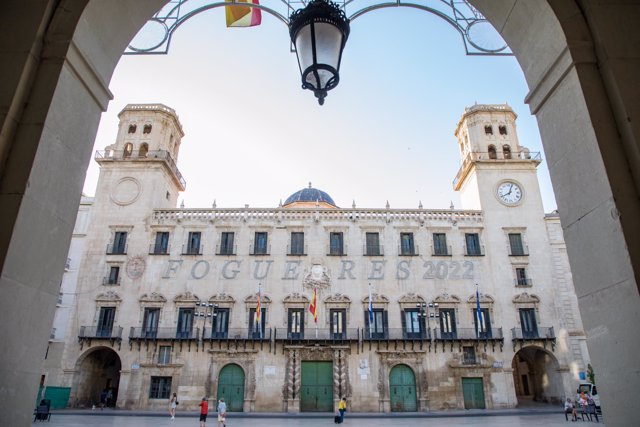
(408, 250)
(522, 250)
(114, 249)
(111, 281)
(259, 249)
(313, 335)
(236, 338)
(226, 249)
(478, 156)
(491, 336)
(373, 250)
(523, 282)
(541, 335)
(474, 250)
(297, 250)
(159, 249)
(337, 250)
(93, 333)
(112, 155)
(396, 334)
(146, 335)
(192, 249)
(441, 250)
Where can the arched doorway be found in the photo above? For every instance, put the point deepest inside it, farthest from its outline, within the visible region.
(402, 389)
(536, 377)
(98, 371)
(231, 387)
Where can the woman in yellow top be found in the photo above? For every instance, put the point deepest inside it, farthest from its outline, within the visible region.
(342, 406)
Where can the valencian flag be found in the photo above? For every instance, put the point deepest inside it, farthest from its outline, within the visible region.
(313, 307)
(479, 327)
(258, 309)
(243, 16)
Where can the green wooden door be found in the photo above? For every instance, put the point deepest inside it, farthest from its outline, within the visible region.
(316, 390)
(402, 389)
(231, 387)
(473, 392)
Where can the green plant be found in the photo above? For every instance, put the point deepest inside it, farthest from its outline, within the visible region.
(590, 374)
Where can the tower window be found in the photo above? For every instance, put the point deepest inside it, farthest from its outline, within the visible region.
(506, 150)
(492, 152)
(132, 128)
(488, 130)
(128, 149)
(144, 149)
(146, 129)
(502, 129)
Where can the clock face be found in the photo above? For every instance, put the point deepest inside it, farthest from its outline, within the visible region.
(135, 267)
(509, 193)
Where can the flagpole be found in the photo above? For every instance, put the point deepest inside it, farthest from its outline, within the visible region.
(370, 312)
(315, 317)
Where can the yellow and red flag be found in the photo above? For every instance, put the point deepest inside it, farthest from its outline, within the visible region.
(258, 309)
(243, 16)
(313, 307)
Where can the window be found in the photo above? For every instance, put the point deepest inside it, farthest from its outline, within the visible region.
(521, 277)
(338, 325)
(472, 241)
(161, 245)
(506, 150)
(502, 129)
(150, 322)
(488, 130)
(185, 323)
(220, 323)
(128, 150)
(376, 329)
(257, 330)
(144, 149)
(260, 243)
(336, 243)
(114, 275)
(482, 323)
(448, 323)
(132, 128)
(146, 129)
(164, 355)
(160, 388)
(440, 244)
(105, 321)
(297, 243)
(372, 244)
(492, 152)
(295, 328)
(412, 324)
(406, 244)
(468, 355)
(515, 243)
(226, 243)
(528, 323)
(193, 244)
(119, 243)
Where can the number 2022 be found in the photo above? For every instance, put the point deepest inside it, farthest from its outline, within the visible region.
(448, 269)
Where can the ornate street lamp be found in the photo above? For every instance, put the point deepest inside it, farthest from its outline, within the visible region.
(319, 33)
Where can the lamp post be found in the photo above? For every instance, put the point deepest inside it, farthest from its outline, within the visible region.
(206, 310)
(428, 311)
(319, 33)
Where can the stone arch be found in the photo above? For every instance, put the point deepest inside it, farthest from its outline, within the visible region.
(143, 150)
(538, 376)
(552, 40)
(492, 152)
(96, 370)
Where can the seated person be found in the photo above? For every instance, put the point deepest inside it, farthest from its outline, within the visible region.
(570, 408)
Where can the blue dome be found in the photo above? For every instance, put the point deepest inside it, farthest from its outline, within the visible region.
(310, 195)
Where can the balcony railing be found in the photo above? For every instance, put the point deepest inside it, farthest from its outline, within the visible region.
(159, 249)
(111, 155)
(113, 249)
(390, 334)
(408, 251)
(96, 332)
(192, 250)
(320, 334)
(523, 282)
(164, 334)
(541, 333)
(373, 250)
(518, 250)
(297, 250)
(473, 156)
(111, 281)
(337, 250)
(441, 251)
(259, 249)
(226, 249)
(474, 250)
(468, 334)
(236, 334)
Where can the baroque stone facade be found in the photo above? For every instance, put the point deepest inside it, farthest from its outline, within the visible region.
(167, 297)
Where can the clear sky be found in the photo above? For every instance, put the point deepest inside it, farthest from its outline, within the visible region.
(253, 136)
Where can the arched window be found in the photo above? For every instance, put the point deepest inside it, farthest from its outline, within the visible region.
(128, 149)
(146, 129)
(492, 152)
(488, 130)
(502, 129)
(506, 150)
(144, 149)
(132, 128)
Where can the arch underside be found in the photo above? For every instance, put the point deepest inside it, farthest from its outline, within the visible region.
(461, 15)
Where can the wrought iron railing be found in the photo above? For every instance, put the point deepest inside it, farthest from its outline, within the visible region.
(226, 249)
(110, 155)
(395, 334)
(236, 334)
(299, 250)
(373, 250)
(523, 281)
(192, 250)
(522, 250)
(467, 334)
(117, 249)
(408, 250)
(441, 250)
(140, 333)
(541, 332)
(156, 249)
(474, 250)
(96, 332)
(319, 334)
(337, 250)
(111, 281)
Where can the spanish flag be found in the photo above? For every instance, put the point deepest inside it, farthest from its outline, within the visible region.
(243, 16)
(313, 307)
(258, 316)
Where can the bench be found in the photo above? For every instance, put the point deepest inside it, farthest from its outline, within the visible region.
(583, 411)
(42, 413)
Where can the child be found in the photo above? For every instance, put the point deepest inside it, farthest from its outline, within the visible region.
(222, 412)
(204, 410)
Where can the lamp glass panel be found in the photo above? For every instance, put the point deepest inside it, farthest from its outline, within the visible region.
(328, 43)
(304, 48)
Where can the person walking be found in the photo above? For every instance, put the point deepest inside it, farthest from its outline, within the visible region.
(173, 403)
(342, 407)
(222, 412)
(204, 410)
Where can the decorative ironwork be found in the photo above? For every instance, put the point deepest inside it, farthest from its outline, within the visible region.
(478, 35)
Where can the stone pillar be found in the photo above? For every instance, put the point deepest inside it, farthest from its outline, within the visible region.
(293, 381)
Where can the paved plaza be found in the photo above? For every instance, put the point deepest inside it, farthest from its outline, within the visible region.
(184, 420)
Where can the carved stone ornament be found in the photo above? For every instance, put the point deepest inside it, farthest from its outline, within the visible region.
(525, 298)
(377, 299)
(337, 299)
(446, 298)
(488, 299)
(410, 298)
(295, 298)
(222, 298)
(108, 296)
(316, 277)
(253, 299)
(186, 297)
(153, 297)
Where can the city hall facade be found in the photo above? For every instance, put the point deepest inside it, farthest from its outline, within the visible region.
(417, 309)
